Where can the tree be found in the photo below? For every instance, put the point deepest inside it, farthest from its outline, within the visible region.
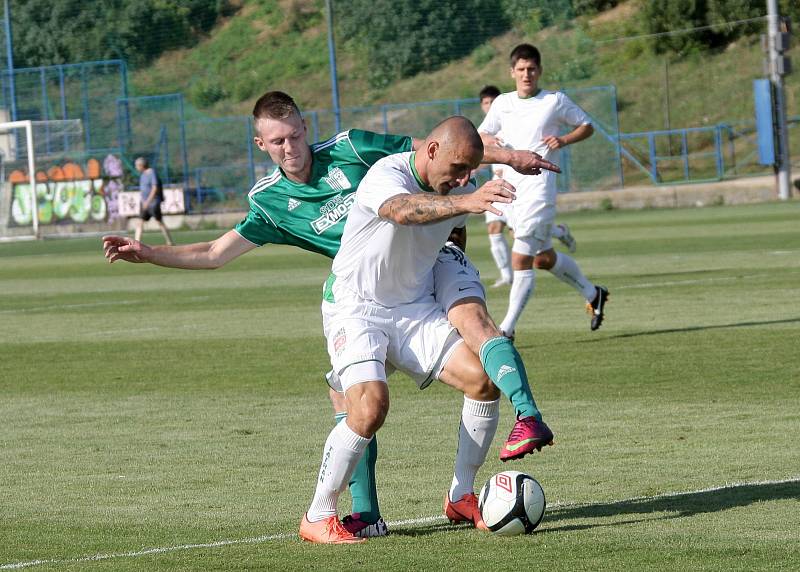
(401, 38)
(47, 32)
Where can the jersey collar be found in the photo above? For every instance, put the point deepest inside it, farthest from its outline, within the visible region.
(422, 185)
(531, 96)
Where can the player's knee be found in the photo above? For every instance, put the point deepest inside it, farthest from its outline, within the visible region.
(495, 227)
(544, 260)
(367, 406)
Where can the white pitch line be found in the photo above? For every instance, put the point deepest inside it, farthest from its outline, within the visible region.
(67, 306)
(696, 281)
(406, 522)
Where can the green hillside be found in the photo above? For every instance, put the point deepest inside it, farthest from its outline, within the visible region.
(281, 44)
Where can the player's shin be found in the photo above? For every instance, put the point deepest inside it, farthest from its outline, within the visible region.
(343, 449)
(502, 256)
(478, 426)
(568, 271)
(363, 484)
(504, 366)
(521, 290)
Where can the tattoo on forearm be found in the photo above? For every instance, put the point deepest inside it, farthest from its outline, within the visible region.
(419, 209)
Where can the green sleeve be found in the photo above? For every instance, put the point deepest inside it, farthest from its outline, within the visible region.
(255, 228)
(370, 147)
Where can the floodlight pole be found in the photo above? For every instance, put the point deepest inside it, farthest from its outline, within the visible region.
(777, 68)
(332, 58)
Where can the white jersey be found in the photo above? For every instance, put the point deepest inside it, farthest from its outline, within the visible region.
(382, 261)
(524, 122)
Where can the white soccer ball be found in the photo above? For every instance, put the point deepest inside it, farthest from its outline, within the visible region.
(512, 503)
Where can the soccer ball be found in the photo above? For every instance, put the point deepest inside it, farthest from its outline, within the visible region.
(512, 503)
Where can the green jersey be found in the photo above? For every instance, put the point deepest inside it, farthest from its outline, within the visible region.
(312, 215)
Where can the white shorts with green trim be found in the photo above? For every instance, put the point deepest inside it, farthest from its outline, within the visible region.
(365, 339)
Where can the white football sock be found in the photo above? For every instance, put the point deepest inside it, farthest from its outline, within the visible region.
(478, 426)
(557, 231)
(343, 450)
(501, 254)
(521, 290)
(566, 270)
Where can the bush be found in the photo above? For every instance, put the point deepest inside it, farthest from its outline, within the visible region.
(589, 7)
(431, 33)
(206, 93)
(47, 32)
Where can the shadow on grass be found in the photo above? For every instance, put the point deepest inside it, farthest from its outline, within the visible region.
(691, 329)
(679, 505)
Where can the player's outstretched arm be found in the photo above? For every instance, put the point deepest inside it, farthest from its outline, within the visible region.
(196, 256)
(424, 208)
(524, 162)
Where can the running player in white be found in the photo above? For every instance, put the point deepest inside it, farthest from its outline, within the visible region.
(380, 311)
(496, 224)
(532, 118)
(304, 202)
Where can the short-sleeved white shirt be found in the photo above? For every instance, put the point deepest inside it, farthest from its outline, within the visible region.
(524, 122)
(382, 261)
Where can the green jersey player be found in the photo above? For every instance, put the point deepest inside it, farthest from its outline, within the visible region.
(304, 202)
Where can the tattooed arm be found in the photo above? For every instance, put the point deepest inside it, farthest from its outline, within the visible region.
(427, 208)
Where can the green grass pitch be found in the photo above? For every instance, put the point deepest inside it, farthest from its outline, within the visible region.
(164, 419)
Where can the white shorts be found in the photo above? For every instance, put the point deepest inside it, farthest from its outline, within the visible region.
(534, 211)
(362, 337)
(504, 208)
(455, 277)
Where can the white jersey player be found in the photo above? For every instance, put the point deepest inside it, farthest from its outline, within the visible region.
(496, 224)
(532, 118)
(380, 313)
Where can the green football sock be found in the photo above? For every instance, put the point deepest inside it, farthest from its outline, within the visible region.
(362, 485)
(503, 364)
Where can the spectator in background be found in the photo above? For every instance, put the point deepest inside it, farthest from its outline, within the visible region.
(152, 197)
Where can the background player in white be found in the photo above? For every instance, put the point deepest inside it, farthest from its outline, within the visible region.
(380, 309)
(303, 179)
(533, 118)
(496, 224)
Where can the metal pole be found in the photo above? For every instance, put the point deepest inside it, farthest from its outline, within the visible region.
(783, 163)
(32, 175)
(667, 121)
(184, 150)
(332, 58)
(10, 62)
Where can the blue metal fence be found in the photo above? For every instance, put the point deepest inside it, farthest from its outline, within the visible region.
(215, 157)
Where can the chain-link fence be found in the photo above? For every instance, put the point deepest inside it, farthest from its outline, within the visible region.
(666, 116)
